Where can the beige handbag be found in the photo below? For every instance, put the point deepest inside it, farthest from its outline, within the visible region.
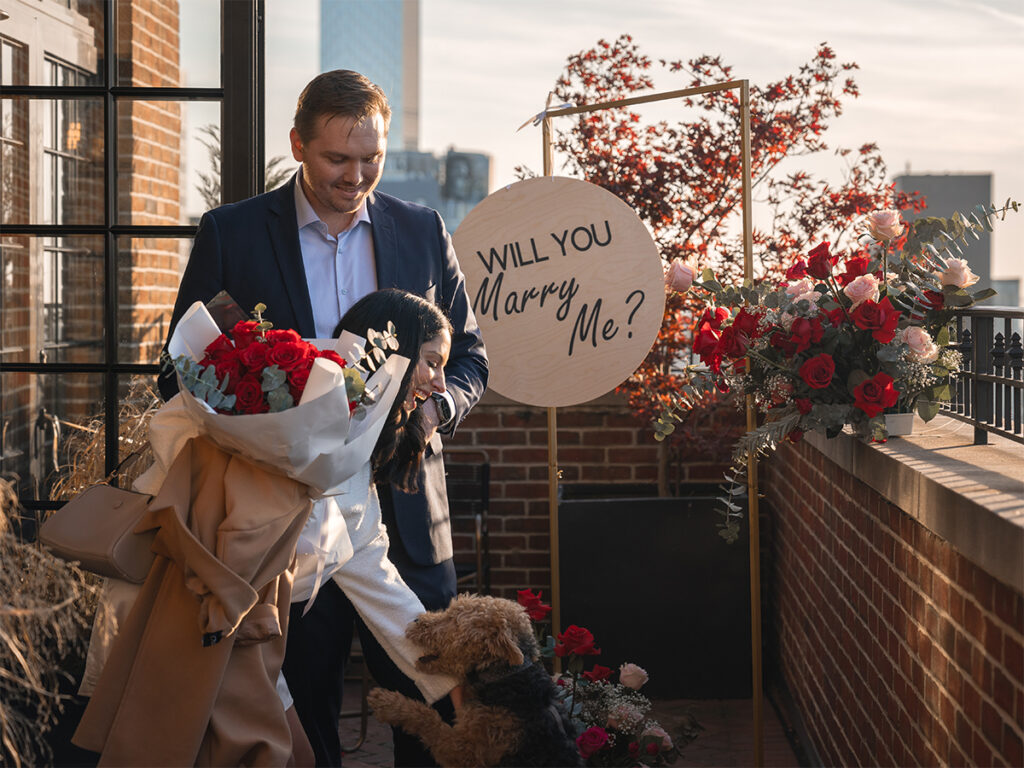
(96, 529)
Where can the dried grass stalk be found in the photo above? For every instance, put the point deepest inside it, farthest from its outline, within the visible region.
(87, 445)
(47, 604)
(45, 609)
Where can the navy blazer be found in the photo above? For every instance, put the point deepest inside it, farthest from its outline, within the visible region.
(251, 250)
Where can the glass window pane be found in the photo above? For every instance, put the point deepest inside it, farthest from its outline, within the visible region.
(53, 162)
(163, 178)
(44, 417)
(70, 31)
(168, 45)
(148, 272)
(51, 299)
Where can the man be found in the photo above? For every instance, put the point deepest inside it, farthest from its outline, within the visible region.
(308, 251)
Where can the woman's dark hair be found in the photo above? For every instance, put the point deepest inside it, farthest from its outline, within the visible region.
(399, 452)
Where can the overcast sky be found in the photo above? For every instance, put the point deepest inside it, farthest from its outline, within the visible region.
(941, 80)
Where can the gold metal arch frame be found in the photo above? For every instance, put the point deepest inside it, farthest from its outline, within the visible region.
(748, 270)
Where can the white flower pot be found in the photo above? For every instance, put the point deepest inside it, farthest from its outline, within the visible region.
(897, 424)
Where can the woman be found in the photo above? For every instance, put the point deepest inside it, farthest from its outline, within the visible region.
(345, 540)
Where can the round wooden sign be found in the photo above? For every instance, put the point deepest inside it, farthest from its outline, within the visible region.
(567, 286)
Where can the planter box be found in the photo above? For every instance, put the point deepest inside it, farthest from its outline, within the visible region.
(657, 585)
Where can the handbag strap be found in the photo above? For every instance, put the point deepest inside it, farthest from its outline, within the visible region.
(117, 470)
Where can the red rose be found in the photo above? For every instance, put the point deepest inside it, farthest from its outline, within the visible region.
(817, 372)
(249, 396)
(229, 368)
(334, 357)
(576, 640)
(796, 436)
(634, 748)
(732, 343)
(219, 346)
(820, 262)
(705, 344)
(597, 673)
(855, 267)
(714, 317)
(287, 355)
(836, 317)
(880, 318)
(934, 300)
(653, 749)
(591, 740)
(254, 356)
(749, 323)
(805, 331)
(876, 394)
(285, 334)
(297, 378)
(244, 333)
(804, 405)
(798, 271)
(535, 609)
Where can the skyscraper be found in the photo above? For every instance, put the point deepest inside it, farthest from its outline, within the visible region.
(380, 39)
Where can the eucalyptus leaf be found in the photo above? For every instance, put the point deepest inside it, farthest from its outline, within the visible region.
(279, 399)
(942, 337)
(273, 377)
(707, 275)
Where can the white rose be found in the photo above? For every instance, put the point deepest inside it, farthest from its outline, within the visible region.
(861, 289)
(680, 276)
(884, 225)
(957, 273)
(922, 348)
(632, 676)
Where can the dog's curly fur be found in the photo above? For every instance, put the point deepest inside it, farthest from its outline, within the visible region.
(510, 716)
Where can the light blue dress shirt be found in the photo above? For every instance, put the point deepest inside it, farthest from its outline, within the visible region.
(339, 270)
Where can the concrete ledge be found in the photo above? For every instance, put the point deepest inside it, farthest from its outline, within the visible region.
(970, 495)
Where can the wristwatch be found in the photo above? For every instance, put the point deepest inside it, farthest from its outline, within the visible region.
(445, 411)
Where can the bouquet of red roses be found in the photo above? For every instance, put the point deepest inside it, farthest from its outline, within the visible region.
(278, 400)
(260, 370)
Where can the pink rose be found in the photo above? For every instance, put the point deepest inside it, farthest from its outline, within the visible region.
(800, 287)
(884, 225)
(658, 733)
(957, 273)
(632, 676)
(922, 348)
(680, 276)
(861, 289)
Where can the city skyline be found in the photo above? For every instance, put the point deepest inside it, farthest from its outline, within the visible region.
(938, 81)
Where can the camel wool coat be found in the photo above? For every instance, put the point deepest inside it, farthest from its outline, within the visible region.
(170, 695)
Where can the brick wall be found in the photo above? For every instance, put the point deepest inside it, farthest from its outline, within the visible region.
(896, 648)
(598, 443)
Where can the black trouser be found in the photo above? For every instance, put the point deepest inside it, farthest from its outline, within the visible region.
(318, 648)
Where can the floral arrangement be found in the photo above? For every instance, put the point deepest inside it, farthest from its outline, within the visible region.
(611, 717)
(840, 341)
(261, 370)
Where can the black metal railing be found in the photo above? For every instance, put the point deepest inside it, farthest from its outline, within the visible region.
(989, 390)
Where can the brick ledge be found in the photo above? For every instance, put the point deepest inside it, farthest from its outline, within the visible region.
(970, 495)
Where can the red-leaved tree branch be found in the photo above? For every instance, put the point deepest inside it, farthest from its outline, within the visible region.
(684, 178)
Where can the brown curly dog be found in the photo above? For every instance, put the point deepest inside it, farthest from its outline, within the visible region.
(510, 715)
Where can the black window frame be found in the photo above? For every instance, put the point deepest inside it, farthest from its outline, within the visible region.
(242, 112)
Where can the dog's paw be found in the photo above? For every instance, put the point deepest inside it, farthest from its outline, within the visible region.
(387, 705)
